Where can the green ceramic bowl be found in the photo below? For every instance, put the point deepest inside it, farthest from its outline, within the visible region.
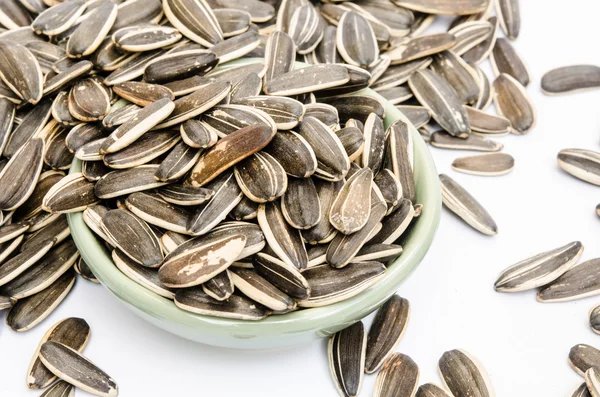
(284, 330)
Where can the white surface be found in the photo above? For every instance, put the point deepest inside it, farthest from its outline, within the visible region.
(522, 343)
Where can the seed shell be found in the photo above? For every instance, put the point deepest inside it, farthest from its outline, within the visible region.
(444, 7)
(88, 35)
(177, 163)
(583, 357)
(568, 79)
(195, 134)
(285, 112)
(195, 20)
(197, 301)
(145, 37)
(592, 381)
(142, 94)
(487, 124)
(476, 143)
(512, 102)
(121, 182)
(581, 163)
(20, 71)
(20, 175)
(431, 390)
(505, 59)
(578, 282)
(351, 208)
(346, 352)
(463, 375)
(399, 376)
(232, 21)
(300, 203)
(261, 177)
(146, 277)
(491, 164)
(510, 17)
(311, 78)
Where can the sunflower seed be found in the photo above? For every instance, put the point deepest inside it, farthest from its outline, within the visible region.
(504, 59)
(197, 135)
(357, 107)
(481, 51)
(458, 74)
(73, 332)
(396, 75)
(31, 126)
(576, 283)
(385, 333)
(71, 366)
(261, 177)
(398, 158)
(261, 290)
(91, 150)
(119, 115)
(569, 79)
(390, 187)
(327, 114)
(7, 249)
(378, 252)
(399, 376)
(470, 34)
(581, 391)
(512, 102)
(158, 212)
(490, 164)
(245, 210)
(444, 7)
(594, 319)
(47, 54)
(132, 69)
(294, 153)
(197, 301)
(7, 116)
(435, 94)
(109, 57)
(323, 232)
(351, 208)
(582, 164)
(249, 87)
(13, 15)
(417, 115)
(82, 268)
(171, 240)
(177, 66)
(20, 71)
(280, 54)
(285, 112)
(420, 47)
(73, 193)
(145, 37)
(353, 141)
(374, 133)
(346, 352)
(306, 28)
(229, 151)
(20, 175)
(146, 277)
(220, 287)
(227, 119)
(88, 101)
(463, 375)
(59, 389)
(133, 12)
(195, 20)
(311, 78)
(177, 163)
(583, 357)
(143, 150)
(57, 229)
(57, 154)
(30, 311)
(88, 35)
(13, 230)
(68, 75)
(459, 201)
(356, 41)
(199, 101)
(185, 195)
(43, 273)
(300, 204)
(510, 17)
(447, 141)
(326, 51)
(133, 236)
(232, 21)
(23, 261)
(431, 390)
(396, 95)
(592, 380)
(395, 224)
(92, 216)
(142, 94)
(487, 124)
(283, 276)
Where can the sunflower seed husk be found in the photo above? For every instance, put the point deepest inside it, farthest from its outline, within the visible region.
(459, 201)
(323, 232)
(463, 375)
(92, 217)
(177, 163)
(132, 69)
(356, 41)
(195, 20)
(385, 332)
(568, 79)
(458, 74)
(142, 94)
(431, 390)
(32, 125)
(20, 71)
(487, 124)
(232, 21)
(396, 95)
(20, 175)
(59, 389)
(489, 164)
(346, 352)
(143, 150)
(399, 376)
(306, 28)
(470, 34)
(195, 134)
(396, 75)
(309, 79)
(73, 193)
(88, 35)
(512, 102)
(220, 287)
(6, 302)
(91, 150)
(146, 277)
(185, 195)
(177, 66)
(262, 291)
(300, 203)
(510, 17)
(227, 195)
(540, 269)
(583, 357)
(398, 158)
(58, 19)
(581, 163)
(410, 49)
(43, 273)
(353, 141)
(23, 261)
(504, 59)
(476, 143)
(30, 311)
(435, 94)
(378, 252)
(261, 177)
(131, 12)
(592, 380)
(417, 115)
(285, 277)
(13, 230)
(155, 211)
(133, 236)
(171, 240)
(374, 134)
(70, 365)
(82, 134)
(578, 282)
(109, 57)
(56, 229)
(122, 182)
(135, 127)
(145, 37)
(197, 301)
(82, 268)
(351, 208)
(73, 332)
(249, 87)
(285, 112)
(67, 76)
(481, 51)
(227, 119)
(594, 316)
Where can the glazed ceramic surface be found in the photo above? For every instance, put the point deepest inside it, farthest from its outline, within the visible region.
(283, 330)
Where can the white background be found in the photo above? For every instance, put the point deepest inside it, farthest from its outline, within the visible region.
(522, 343)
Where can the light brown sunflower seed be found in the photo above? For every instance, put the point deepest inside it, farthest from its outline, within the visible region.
(195, 20)
(459, 201)
(581, 163)
(88, 35)
(540, 269)
(20, 71)
(512, 102)
(463, 375)
(487, 124)
(510, 17)
(458, 74)
(346, 352)
(489, 164)
(481, 51)
(569, 79)
(578, 282)
(505, 59)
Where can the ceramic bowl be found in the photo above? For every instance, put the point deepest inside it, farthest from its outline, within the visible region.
(283, 330)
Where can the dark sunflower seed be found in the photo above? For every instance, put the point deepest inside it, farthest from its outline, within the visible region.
(73, 193)
(133, 12)
(323, 232)
(262, 291)
(145, 37)
(20, 71)
(20, 175)
(399, 376)
(569, 79)
(294, 153)
(470, 34)
(581, 391)
(398, 158)
(283, 276)
(227, 119)
(458, 74)
(312, 78)
(356, 40)
(261, 177)
(88, 100)
(463, 375)
(447, 141)
(504, 59)
(420, 47)
(195, 134)
(245, 210)
(185, 195)
(142, 94)
(146, 277)
(68, 75)
(132, 69)
(583, 357)
(300, 203)
(120, 113)
(143, 150)
(32, 125)
(378, 252)
(232, 21)
(396, 75)
(195, 300)
(578, 282)
(195, 19)
(88, 35)
(346, 352)
(390, 187)
(154, 210)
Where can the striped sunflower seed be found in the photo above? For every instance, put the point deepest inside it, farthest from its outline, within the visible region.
(357, 107)
(19, 263)
(60, 389)
(261, 177)
(309, 79)
(592, 381)
(481, 51)
(583, 357)
(142, 94)
(510, 17)
(569, 79)
(356, 41)
(30, 311)
(56, 229)
(195, 20)
(57, 154)
(294, 153)
(512, 102)
(485, 91)
(180, 65)
(346, 352)
(323, 232)
(119, 114)
(145, 37)
(459, 201)
(353, 141)
(479, 144)
(469, 34)
(146, 277)
(487, 124)
(20, 71)
(20, 175)
(325, 113)
(399, 376)
(13, 230)
(300, 203)
(504, 59)
(417, 115)
(131, 13)
(262, 291)
(490, 164)
(32, 125)
(463, 375)
(155, 211)
(73, 193)
(195, 134)
(418, 47)
(374, 135)
(220, 287)
(251, 86)
(396, 75)
(122, 182)
(185, 195)
(88, 35)
(58, 19)
(66, 76)
(70, 365)
(306, 28)
(378, 252)
(245, 210)
(285, 277)
(540, 269)
(280, 55)
(236, 47)
(385, 332)
(259, 11)
(73, 332)
(227, 119)
(197, 301)
(578, 282)
(458, 74)
(133, 68)
(435, 94)
(581, 391)
(581, 163)
(285, 112)
(431, 390)
(395, 224)
(351, 208)
(143, 150)
(594, 316)
(177, 163)
(444, 7)
(232, 21)
(82, 268)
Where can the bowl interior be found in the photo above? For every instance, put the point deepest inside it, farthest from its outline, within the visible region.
(288, 329)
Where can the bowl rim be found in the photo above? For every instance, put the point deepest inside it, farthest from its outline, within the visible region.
(415, 241)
